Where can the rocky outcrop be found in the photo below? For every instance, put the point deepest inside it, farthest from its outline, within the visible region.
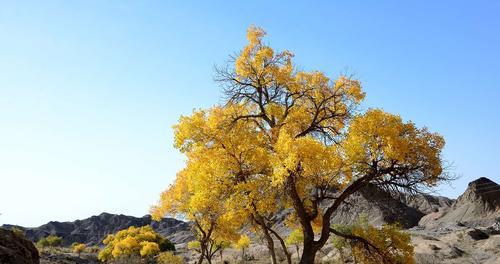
(93, 230)
(478, 205)
(14, 249)
(381, 207)
(426, 203)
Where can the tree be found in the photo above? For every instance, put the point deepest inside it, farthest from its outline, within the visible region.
(78, 248)
(296, 239)
(134, 241)
(242, 244)
(289, 139)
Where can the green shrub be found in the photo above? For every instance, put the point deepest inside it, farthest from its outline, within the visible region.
(50, 241)
(166, 245)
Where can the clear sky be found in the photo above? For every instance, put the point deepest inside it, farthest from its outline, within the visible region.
(89, 90)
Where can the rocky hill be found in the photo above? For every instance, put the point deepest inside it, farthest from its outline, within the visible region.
(381, 207)
(94, 229)
(478, 205)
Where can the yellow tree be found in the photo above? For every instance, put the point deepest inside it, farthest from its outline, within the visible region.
(242, 244)
(78, 248)
(237, 163)
(293, 139)
(200, 195)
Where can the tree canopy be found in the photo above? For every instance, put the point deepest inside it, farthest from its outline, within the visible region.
(290, 139)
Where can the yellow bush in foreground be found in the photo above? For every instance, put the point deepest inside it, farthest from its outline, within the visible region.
(138, 241)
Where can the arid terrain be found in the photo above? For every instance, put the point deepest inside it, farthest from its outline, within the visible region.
(465, 230)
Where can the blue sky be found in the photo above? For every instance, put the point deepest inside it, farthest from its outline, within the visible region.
(89, 90)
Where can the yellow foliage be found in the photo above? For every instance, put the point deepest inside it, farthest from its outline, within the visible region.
(193, 244)
(243, 242)
(288, 139)
(393, 245)
(149, 248)
(295, 238)
(141, 241)
(377, 137)
(79, 248)
(169, 258)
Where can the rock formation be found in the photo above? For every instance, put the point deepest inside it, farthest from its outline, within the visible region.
(14, 249)
(478, 205)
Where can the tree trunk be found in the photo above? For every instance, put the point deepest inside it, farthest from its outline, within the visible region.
(208, 257)
(283, 245)
(308, 255)
(270, 246)
(267, 236)
(298, 253)
(200, 260)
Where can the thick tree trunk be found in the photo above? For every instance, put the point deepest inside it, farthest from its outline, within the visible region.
(308, 254)
(307, 258)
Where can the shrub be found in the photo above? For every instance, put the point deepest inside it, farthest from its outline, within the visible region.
(166, 245)
(50, 241)
(17, 231)
(169, 258)
(134, 241)
(54, 241)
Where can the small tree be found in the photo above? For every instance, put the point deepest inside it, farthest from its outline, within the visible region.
(296, 239)
(242, 244)
(78, 248)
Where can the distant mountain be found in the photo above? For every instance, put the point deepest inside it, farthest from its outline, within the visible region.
(94, 229)
(478, 205)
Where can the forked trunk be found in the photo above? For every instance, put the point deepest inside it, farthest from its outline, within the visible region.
(267, 237)
(270, 246)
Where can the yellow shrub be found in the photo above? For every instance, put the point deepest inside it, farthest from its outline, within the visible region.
(169, 258)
